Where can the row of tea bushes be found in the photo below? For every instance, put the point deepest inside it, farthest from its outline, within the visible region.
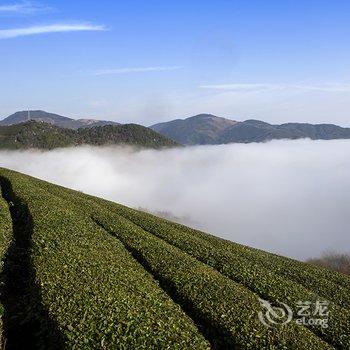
(5, 241)
(97, 294)
(221, 304)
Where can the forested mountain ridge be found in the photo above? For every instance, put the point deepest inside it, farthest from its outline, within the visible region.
(41, 135)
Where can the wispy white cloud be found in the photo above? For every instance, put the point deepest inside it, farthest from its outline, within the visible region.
(329, 87)
(241, 87)
(52, 28)
(23, 8)
(326, 87)
(134, 70)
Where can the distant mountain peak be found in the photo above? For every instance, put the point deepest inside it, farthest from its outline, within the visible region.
(54, 119)
(199, 129)
(202, 116)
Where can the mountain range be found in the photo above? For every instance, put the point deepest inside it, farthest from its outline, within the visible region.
(206, 129)
(202, 129)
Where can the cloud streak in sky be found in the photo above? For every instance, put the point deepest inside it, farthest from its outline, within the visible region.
(51, 28)
(23, 8)
(241, 87)
(269, 87)
(134, 70)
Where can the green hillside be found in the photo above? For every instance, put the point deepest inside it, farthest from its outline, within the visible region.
(47, 136)
(81, 272)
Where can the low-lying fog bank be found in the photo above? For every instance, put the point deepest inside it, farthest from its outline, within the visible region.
(288, 197)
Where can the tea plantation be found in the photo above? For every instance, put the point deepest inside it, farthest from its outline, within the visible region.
(79, 272)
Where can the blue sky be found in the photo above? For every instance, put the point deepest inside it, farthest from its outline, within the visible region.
(149, 61)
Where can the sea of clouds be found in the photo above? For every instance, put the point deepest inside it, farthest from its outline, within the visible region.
(287, 197)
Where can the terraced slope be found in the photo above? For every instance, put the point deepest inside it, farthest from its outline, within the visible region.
(80, 272)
